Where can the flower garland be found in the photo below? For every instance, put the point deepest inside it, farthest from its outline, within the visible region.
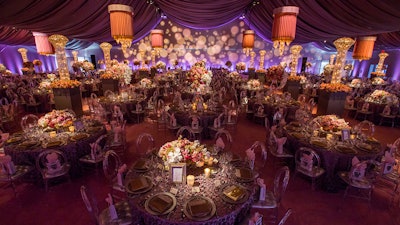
(56, 119)
(65, 84)
(183, 150)
(338, 87)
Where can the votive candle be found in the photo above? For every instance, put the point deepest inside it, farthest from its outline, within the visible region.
(190, 180)
(53, 134)
(207, 172)
(71, 129)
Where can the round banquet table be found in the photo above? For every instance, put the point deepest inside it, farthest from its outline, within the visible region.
(206, 120)
(226, 213)
(73, 150)
(332, 160)
(271, 108)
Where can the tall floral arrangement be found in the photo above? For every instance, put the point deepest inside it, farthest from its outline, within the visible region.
(382, 97)
(160, 65)
(183, 150)
(199, 76)
(87, 66)
(120, 71)
(275, 72)
(253, 84)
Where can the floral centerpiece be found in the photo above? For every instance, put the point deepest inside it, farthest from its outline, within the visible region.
(378, 74)
(2, 68)
(109, 75)
(241, 66)
(118, 71)
(382, 97)
(56, 119)
(160, 65)
(45, 85)
(235, 76)
(253, 84)
(87, 66)
(146, 83)
(275, 72)
(183, 150)
(335, 87)
(199, 76)
(331, 123)
(378, 81)
(65, 84)
(356, 83)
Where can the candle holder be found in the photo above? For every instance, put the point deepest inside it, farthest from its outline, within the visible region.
(190, 180)
(207, 172)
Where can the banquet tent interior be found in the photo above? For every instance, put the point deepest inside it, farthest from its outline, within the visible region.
(93, 96)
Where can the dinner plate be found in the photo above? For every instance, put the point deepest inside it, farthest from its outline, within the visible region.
(243, 174)
(14, 140)
(137, 185)
(346, 149)
(367, 147)
(323, 143)
(140, 166)
(79, 136)
(52, 144)
(297, 135)
(224, 195)
(160, 198)
(209, 204)
(28, 144)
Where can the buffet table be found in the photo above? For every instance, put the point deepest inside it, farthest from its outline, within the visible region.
(184, 206)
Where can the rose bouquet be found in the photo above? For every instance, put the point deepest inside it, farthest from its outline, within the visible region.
(56, 119)
(146, 83)
(160, 65)
(87, 66)
(235, 76)
(183, 150)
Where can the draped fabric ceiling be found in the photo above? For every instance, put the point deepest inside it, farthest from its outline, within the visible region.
(87, 21)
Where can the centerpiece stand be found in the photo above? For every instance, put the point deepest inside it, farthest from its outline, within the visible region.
(110, 84)
(293, 87)
(68, 98)
(331, 103)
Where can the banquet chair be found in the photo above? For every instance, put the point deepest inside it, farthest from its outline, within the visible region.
(259, 114)
(186, 132)
(31, 103)
(349, 106)
(363, 109)
(117, 138)
(285, 217)
(361, 177)
(10, 173)
(273, 150)
(172, 125)
(196, 126)
(111, 164)
(97, 151)
(259, 158)
(217, 125)
(52, 164)
(144, 144)
(225, 137)
(109, 94)
(139, 112)
(308, 163)
(273, 198)
(122, 208)
(388, 114)
(365, 128)
(232, 119)
(28, 122)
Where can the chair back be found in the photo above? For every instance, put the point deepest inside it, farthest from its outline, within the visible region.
(90, 203)
(111, 164)
(109, 94)
(302, 98)
(185, 132)
(28, 122)
(280, 183)
(52, 161)
(285, 217)
(145, 143)
(226, 137)
(262, 153)
(306, 159)
(365, 128)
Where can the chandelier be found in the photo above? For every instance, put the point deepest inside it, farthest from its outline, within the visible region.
(121, 22)
(284, 26)
(363, 48)
(157, 40)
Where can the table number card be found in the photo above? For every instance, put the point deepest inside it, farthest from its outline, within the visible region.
(345, 135)
(195, 190)
(217, 183)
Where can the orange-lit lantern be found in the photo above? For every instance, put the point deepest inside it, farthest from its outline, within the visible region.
(284, 26)
(364, 47)
(157, 38)
(248, 41)
(121, 22)
(43, 46)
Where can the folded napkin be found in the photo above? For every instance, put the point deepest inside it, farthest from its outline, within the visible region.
(306, 162)
(220, 143)
(111, 208)
(199, 207)
(53, 163)
(358, 169)
(7, 165)
(256, 217)
(160, 203)
(95, 149)
(120, 174)
(251, 156)
(234, 192)
(263, 189)
(138, 184)
(280, 142)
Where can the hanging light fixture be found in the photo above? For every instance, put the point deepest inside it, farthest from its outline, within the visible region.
(363, 48)
(121, 22)
(248, 41)
(157, 40)
(284, 26)
(43, 45)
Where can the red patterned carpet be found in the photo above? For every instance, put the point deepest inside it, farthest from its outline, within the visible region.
(62, 204)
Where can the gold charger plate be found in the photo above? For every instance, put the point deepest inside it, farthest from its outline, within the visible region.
(53, 144)
(243, 174)
(346, 149)
(161, 195)
(14, 140)
(94, 129)
(228, 188)
(208, 203)
(79, 136)
(320, 143)
(140, 166)
(28, 144)
(367, 148)
(139, 185)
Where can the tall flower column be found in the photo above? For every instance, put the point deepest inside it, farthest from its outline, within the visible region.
(252, 57)
(382, 57)
(106, 47)
(75, 55)
(332, 59)
(262, 58)
(23, 52)
(295, 50)
(342, 45)
(59, 41)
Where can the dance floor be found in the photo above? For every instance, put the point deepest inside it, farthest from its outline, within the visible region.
(62, 204)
